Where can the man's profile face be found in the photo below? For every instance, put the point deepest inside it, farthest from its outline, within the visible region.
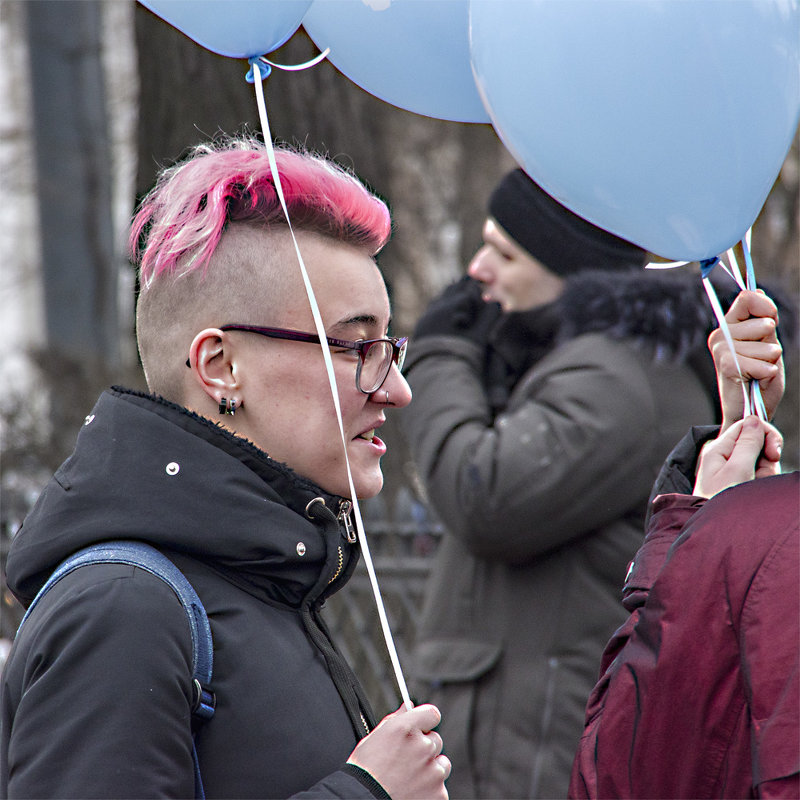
(510, 275)
(288, 409)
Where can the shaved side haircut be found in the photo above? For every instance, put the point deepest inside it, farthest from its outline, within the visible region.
(198, 241)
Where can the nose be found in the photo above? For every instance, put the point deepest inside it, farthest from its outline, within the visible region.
(480, 267)
(397, 386)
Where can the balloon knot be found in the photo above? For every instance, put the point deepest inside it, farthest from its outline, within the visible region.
(262, 66)
(706, 265)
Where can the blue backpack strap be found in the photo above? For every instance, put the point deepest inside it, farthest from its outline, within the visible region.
(139, 554)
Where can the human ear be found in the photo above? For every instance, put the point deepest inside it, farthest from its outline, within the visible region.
(211, 359)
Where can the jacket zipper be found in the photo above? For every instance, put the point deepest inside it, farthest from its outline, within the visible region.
(344, 518)
(546, 717)
(318, 633)
(345, 507)
(339, 566)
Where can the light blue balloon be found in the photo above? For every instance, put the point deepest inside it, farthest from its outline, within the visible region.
(234, 28)
(411, 53)
(663, 121)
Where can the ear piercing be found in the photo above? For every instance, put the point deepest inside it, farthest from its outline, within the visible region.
(227, 407)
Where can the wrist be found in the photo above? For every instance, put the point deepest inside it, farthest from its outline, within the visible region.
(367, 780)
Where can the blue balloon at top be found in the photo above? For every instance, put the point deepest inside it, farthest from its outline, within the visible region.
(233, 28)
(411, 53)
(663, 121)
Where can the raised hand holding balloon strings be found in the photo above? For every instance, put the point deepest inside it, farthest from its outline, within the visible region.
(753, 401)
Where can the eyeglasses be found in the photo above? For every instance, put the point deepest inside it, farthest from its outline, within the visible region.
(375, 355)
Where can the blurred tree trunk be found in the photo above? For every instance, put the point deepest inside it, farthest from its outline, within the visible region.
(73, 166)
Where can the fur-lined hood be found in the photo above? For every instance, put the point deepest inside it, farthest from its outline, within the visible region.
(666, 315)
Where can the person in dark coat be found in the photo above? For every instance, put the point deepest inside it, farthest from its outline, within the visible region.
(699, 690)
(234, 467)
(549, 385)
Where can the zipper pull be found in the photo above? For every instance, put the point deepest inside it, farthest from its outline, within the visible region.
(344, 518)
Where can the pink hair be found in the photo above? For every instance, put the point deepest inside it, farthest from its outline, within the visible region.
(180, 222)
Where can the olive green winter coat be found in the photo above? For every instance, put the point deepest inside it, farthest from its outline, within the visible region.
(543, 506)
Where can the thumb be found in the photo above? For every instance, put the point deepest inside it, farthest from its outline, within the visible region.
(425, 717)
(750, 440)
(730, 458)
(748, 445)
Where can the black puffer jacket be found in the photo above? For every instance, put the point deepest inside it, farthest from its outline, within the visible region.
(96, 691)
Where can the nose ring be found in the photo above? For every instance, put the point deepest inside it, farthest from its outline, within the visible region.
(386, 392)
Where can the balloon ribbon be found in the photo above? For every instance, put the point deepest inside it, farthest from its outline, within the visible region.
(257, 72)
(751, 391)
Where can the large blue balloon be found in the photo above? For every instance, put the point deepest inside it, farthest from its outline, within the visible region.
(234, 28)
(411, 53)
(663, 121)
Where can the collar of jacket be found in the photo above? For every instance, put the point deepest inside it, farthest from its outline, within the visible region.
(295, 490)
(668, 314)
(665, 315)
(144, 468)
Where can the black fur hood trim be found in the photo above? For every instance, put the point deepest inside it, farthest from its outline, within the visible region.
(670, 315)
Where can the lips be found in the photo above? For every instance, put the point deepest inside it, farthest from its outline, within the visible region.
(369, 436)
(369, 433)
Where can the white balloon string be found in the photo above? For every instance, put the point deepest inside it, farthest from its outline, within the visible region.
(735, 272)
(387, 634)
(723, 326)
(748, 260)
(297, 67)
(755, 387)
(666, 264)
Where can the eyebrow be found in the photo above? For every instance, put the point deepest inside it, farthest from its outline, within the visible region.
(358, 319)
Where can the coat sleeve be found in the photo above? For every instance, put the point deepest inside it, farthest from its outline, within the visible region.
(677, 474)
(349, 783)
(98, 690)
(670, 514)
(771, 669)
(574, 450)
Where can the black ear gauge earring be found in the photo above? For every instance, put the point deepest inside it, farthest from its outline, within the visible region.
(227, 407)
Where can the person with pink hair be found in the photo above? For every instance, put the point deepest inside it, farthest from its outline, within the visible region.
(235, 466)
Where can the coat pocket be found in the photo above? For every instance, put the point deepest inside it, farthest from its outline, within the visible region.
(454, 660)
(450, 673)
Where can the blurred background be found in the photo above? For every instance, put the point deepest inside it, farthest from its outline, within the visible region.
(96, 96)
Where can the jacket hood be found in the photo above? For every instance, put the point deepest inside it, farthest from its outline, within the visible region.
(144, 468)
(666, 316)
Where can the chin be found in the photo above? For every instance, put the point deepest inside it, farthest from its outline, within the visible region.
(368, 487)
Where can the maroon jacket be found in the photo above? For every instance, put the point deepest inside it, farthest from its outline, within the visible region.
(699, 692)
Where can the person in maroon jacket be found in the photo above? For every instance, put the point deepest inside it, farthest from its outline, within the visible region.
(699, 693)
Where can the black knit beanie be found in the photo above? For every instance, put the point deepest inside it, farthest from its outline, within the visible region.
(564, 242)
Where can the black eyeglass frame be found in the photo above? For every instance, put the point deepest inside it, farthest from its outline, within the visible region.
(361, 346)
